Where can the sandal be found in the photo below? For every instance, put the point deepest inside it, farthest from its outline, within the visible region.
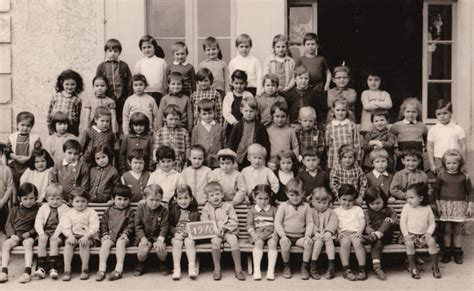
(349, 275)
(436, 273)
(415, 274)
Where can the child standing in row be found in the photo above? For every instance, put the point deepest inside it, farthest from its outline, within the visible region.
(173, 135)
(319, 73)
(66, 99)
(80, 226)
(54, 143)
(118, 73)
(21, 144)
(410, 131)
(308, 133)
(294, 225)
(373, 99)
(230, 179)
(153, 67)
(261, 228)
(453, 194)
(181, 66)
(117, 227)
(196, 175)
(103, 176)
(281, 64)
(205, 91)
(71, 172)
(341, 79)
(312, 176)
(351, 225)
(49, 232)
(151, 228)
(39, 168)
(137, 178)
(247, 131)
(444, 135)
(287, 169)
(183, 209)
(19, 229)
(224, 215)
(207, 132)
(280, 135)
(216, 65)
(140, 102)
(268, 98)
(379, 177)
(233, 100)
(176, 97)
(347, 171)
(417, 224)
(101, 86)
(99, 135)
(341, 131)
(139, 137)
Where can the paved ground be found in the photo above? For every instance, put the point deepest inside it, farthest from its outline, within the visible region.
(455, 277)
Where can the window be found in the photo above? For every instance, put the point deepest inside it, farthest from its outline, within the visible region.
(190, 21)
(302, 15)
(438, 45)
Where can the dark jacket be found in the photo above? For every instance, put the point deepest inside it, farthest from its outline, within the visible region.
(151, 223)
(21, 220)
(116, 222)
(260, 136)
(175, 212)
(135, 141)
(312, 97)
(121, 85)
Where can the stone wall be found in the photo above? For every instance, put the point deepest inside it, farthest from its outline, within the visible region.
(49, 36)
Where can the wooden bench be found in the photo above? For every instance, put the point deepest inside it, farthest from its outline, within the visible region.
(245, 246)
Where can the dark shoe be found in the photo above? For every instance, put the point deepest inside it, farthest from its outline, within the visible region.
(304, 272)
(240, 276)
(138, 270)
(348, 275)
(217, 275)
(100, 276)
(361, 275)
(446, 256)
(415, 274)
(329, 274)
(115, 275)
(379, 273)
(314, 272)
(458, 256)
(436, 273)
(165, 269)
(286, 272)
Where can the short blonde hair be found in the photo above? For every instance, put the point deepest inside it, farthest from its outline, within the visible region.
(243, 38)
(295, 185)
(153, 189)
(212, 186)
(54, 189)
(307, 111)
(249, 101)
(256, 149)
(378, 153)
(407, 102)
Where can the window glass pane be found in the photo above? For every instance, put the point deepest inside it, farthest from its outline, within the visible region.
(439, 61)
(437, 91)
(165, 18)
(213, 18)
(166, 46)
(300, 22)
(224, 44)
(439, 22)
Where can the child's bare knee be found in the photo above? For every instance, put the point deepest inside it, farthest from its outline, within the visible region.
(216, 243)
(28, 242)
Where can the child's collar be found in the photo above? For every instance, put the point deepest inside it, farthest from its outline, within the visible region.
(377, 174)
(259, 209)
(185, 63)
(340, 122)
(410, 122)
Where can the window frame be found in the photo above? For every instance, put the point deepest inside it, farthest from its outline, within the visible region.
(453, 42)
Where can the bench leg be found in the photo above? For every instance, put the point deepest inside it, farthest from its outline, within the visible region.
(249, 264)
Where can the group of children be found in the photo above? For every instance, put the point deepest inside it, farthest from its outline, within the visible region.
(280, 140)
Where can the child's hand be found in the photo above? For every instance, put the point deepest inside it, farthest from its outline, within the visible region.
(15, 238)
(391, 199)
(25, 235)
(434, 169)
(308, 239)
(144, 243)
(327, 235)
(388, 219)
(105, 237)
(222, 233)
(254, 236)
(285, 242)
(356, 235)
(178, 236)
(427, 237)
(110, 202)
(160, 246)
(326, 87)
(378, 234)
(72, 241)
(84, 241)
(123, 236)
(317, 236)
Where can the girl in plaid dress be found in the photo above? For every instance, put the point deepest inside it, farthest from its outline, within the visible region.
(341, 131)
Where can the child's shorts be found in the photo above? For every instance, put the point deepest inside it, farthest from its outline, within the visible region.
(265, 234)
(347, 235)
(293, 240)
(417, 239)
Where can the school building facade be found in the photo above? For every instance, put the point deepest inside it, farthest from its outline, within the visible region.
(423, 48)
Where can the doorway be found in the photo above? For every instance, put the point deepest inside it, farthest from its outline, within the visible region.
(381, 35)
